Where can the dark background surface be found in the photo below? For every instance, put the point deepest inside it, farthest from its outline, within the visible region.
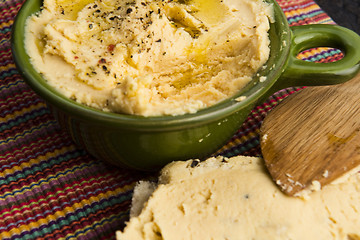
(344, 12)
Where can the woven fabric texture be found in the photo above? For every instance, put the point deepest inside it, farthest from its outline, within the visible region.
(50, 189)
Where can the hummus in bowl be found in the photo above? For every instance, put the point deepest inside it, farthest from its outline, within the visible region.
(149, 142)
(149, 57)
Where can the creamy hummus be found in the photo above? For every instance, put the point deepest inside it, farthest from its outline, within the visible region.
(150, 58)
(236, 199)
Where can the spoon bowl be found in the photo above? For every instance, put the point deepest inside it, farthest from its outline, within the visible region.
(313, 137)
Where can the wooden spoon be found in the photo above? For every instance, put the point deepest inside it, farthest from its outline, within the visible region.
(313, 136)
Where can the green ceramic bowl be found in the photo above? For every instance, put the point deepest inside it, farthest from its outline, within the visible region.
(148, 143)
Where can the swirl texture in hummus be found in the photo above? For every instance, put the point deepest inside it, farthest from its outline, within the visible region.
(150, 58)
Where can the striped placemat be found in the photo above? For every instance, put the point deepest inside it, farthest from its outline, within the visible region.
(49, 188)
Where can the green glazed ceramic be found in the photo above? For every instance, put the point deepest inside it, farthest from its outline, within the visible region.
(150, 143)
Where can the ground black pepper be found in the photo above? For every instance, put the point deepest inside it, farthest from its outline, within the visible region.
(194, 163)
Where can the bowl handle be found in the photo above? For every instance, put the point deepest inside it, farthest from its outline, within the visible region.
(305, 73)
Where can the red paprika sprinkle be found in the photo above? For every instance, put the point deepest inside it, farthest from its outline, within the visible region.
(111, 47)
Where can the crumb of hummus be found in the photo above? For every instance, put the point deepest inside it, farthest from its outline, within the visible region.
(150, 58)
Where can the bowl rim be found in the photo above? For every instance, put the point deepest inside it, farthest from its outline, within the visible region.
(252, 91)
